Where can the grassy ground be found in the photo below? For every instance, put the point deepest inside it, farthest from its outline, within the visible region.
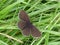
(45, 15)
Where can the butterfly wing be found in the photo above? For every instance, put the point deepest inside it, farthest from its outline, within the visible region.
(23, 16)
(35, 32)
(21, 24)
(25, 30)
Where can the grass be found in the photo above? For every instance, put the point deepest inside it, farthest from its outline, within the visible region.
(45, 15)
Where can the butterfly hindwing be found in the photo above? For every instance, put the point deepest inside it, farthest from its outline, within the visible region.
(21, 24)
(24, 29)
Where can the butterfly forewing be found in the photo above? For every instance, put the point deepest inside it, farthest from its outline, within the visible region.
(35, 32)
(23, 16)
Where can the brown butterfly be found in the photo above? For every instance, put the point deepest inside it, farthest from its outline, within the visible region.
(26, 27)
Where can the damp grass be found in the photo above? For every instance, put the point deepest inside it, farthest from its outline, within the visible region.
(44, 15)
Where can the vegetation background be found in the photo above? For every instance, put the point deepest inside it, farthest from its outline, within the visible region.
(44, 14)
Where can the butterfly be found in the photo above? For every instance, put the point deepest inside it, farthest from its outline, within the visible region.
(26, 26)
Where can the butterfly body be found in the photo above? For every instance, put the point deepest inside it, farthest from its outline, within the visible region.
(26, 26)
